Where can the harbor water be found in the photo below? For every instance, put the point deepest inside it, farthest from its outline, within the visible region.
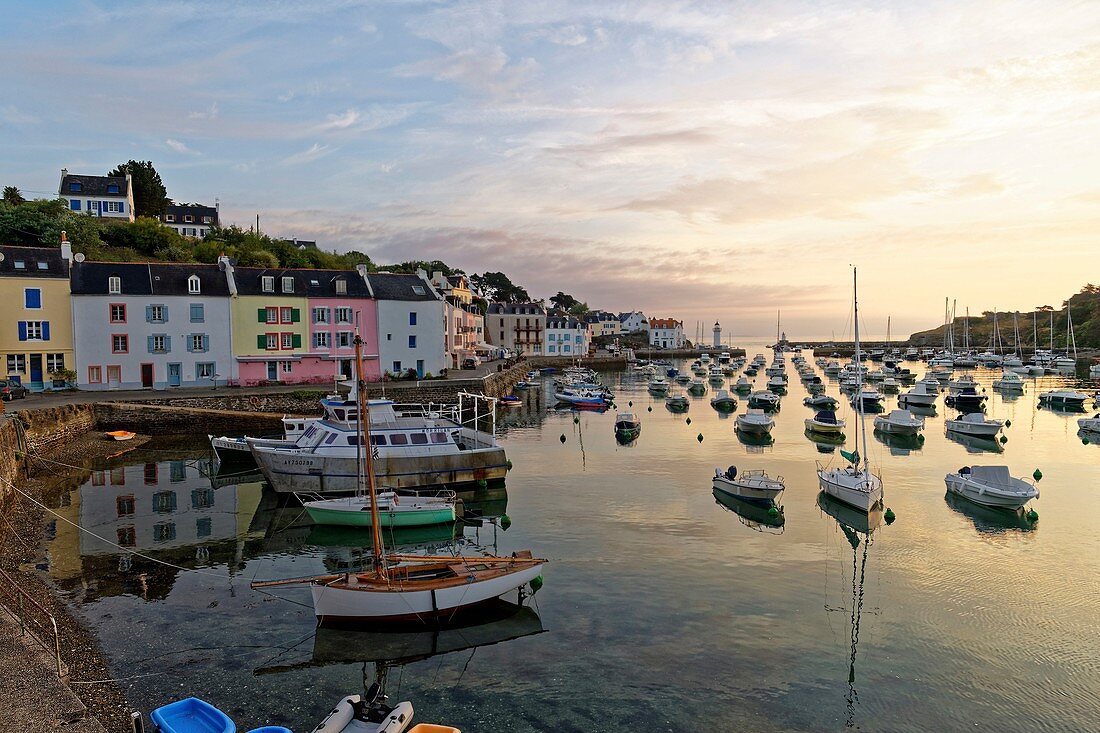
(663, 608)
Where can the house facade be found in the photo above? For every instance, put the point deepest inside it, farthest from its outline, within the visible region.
(268, 310)
(36, 337)
(666, 333)
(633, 321)
(411, 329)
(103, 196)
(518, 327)
(566, 336)
(602, 323)
(153, 326)
(339, 300)
(190, 220)
(465, 325)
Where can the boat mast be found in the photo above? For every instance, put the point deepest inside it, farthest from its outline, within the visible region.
(363, 414)
(859, 371)
(1069, 328)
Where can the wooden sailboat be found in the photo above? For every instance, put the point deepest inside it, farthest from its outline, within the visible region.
(409, 587)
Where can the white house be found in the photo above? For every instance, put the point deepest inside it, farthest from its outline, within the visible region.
(666, 333)
(566, 336)
(633, 321)
(190, 220)
(411, 327)
(103, 196)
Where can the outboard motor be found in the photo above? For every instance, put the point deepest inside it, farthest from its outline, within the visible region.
(731, 473)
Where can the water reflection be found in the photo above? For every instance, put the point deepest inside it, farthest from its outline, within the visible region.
(989, 519)
(900, 445)
(974, 443)
(752, 514)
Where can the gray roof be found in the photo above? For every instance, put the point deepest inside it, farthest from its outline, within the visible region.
(196, 210)
(90, 278)
(516, 309)
(400, 286)
(171, 279)
(93, 185)
(565, 323)
(37, 262)
(307, 283)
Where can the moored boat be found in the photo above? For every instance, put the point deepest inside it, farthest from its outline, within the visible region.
(991, 486)
(825, 422)
(755, 422)
(899, 422)
(408, 510)
(753, 485)
(723, 401)
(974, 423)
(627, 425)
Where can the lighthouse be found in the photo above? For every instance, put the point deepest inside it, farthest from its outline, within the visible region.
(717, 335)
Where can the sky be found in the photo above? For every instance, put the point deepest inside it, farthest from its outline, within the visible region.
(697, 160)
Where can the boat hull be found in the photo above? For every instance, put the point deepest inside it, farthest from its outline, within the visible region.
(823, 428)
(978, 430)
(763, 491)
(861, 492)
(754, 428)
(351, 518)
(986, 496)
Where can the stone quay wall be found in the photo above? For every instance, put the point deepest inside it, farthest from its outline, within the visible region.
(38, 431)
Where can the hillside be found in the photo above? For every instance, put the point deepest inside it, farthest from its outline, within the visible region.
(1086, 325)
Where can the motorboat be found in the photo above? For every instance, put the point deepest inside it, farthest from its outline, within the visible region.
(889, 384)
(755, 422)
(120, 435)
(974, 423)
(930, 383)
(723, 401)
(764, 400)
(751, 371)
(754, 485)
(870, 398)
(918, 395)
(825, 422)
(407, 510)
(627, 425)
(991, 486)
(963, 382)
(743, 385)
(1092, 424)
(899, 422)
(715, 376)
(697, 387)
(821, 401)
(966, 399)
(704, 358)
(511, 401)
(581, 397)
(658, 385)
(1065, 398)
(777, 384)
(1009, 382)
(677, 403)
(831, 368)
(682, 379)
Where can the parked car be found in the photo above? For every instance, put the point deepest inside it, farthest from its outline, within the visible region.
(469, 363)
(10, 390)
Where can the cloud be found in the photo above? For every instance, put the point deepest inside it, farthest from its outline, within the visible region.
(179, 147)
(315, 151)
(211, 113)
(484, 69)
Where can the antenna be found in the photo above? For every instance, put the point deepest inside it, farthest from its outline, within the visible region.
(79, 257)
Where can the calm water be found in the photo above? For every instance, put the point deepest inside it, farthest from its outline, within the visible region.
(662, 609)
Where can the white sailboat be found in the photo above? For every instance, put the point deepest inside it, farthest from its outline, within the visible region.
(855, 484)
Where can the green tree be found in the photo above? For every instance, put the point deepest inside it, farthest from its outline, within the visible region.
(563, 301)
(150, 195)
(496, 286)
(13, 196)
(579, 310)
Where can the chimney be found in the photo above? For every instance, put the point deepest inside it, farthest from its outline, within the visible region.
(362, 270)
(227, 267)
(66, 249)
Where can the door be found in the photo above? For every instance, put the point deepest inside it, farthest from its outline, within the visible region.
(420, 367)
(147, 376)
(273, 371)
(114, 375)
(36, 371)
(175, 372)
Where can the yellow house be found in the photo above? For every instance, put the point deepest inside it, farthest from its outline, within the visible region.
(270, 328)
(36, 336)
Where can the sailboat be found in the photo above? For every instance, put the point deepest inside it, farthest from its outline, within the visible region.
(855, 484)
(401, 587)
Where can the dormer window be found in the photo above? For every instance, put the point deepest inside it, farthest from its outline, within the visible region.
(208, 220)
(76, 187)
(20, 265)
(267, 284)
(193, 285)
(188, 219)
(112, 188)
(42, 265)
(114, 285)
(341, 286)
(288, 285)
(169, 217)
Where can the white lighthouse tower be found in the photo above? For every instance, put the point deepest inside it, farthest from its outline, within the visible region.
(717, 335)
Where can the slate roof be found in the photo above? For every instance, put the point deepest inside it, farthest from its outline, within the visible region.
(563, 323)
(90, 278)
(516, 309)
(31, 257)
(171, 279)
(399, 286)
(307, 283)
(198, 211)
(93, 185)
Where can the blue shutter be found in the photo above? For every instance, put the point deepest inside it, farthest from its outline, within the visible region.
(197, 313)
(168, 344)
(164, 313)
(205, 342)
(189, 343)
(45, 330)
(148, 314)
(122, 207)
(32, 298)
(150, 344)
(75, 204)
(22, 330)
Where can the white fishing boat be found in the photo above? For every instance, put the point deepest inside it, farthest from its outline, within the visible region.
(658, 385)
(899, 422)
(919, 395)
(764, 400)
(930, 383)
(743, 385)
(825, 422)
(991, 486)
(408, 587)
(754, 485)
(963, 382)
(821, 401)
(854, 484)
(1063, 398)
(974, 423)
(755, 422)
(1009, 382)
(723, 401)
(1092, 424)
(889, 385)
(677, 402)
(715, 376)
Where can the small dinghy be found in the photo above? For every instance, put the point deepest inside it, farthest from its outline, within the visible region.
(754, 485)
(764, 400)
(723, 401)
(821, 401)
(393, 510)
(870, 398)
(192, 715)
(354, 714)
(120, 435)
(825, 422)
(511, 401)
(974, 423)
(899, 422)
(755, 422)
(991, 486)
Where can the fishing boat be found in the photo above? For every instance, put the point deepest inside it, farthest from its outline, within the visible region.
(918, 395)
(723, 401)
(627, 425)
(401, 587)
(677, 403)
(764, 400)
(120, 435)
(697, 387)
(755, 422)
(825, 422)
(682, 379)
(821, 401)
(1009, 382)
(1092, 424)
(854, 484)
(1065, 398)
(899, 422)
(659, 385)
(890, 385)
(407, 510)
(742, 386)
(754, 485)
(991, 486)
(976, 424)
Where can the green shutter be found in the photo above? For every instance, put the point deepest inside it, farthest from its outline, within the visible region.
(297, 341)
(295, 315)
(261, 341)
(261, 315)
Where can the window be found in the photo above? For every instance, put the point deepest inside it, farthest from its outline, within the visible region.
(419, 438)
(288, 285)
(114, 285)
(114, 373)
(267, 284)
(389, 337)
(202, 498)
(287, 366)
(418, 289)
(198, 313)
(158, 344)
(341, 286)
(164, 501)
(208, 220)
(55, 362)
(194, 287)
(74, 204)
(127, 536)
(272, 341)
(320, 340)
(34, 330)
(197, 342)
(43, 265)
(565, 349)
(17, 363)
(187, 219)
(170, 217)
(112, 188)
(95, 375)
(120, 344)
(271, 315)
(412, 341)
(399, 439)
(204, 526)
(32, 298)
(177, 471)
(149, 474)
(285, 315)
(20, 265)
(75, 186)
(397, 367)
(412, 318)
(154, 314)
(114, 207)
(118, 313)
(343, 339)
(439, 437)
(287, 341)
(343, 315)
(124, 505)
(551, 348)
(204, 370)
(164, 531)
(320, 315)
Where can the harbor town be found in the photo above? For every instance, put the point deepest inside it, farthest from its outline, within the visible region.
(466, 366)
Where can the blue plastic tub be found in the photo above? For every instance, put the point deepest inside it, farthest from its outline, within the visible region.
(192, 716)
(271, 729)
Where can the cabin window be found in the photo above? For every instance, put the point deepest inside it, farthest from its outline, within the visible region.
(332, 438)
(439, 437)
(352, 416)
(339, 414)
(378, 440)
(399, 439)
(419, 438)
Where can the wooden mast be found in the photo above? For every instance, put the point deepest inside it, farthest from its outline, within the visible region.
(368, 450)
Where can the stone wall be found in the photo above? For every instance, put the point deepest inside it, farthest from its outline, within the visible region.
(38, 431)
(173, 419)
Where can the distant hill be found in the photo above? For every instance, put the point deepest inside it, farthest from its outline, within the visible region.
(1086, 325)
